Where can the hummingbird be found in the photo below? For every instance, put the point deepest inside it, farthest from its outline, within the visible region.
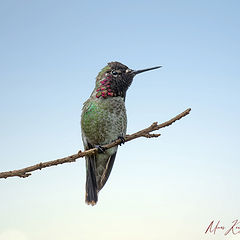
(104, 120)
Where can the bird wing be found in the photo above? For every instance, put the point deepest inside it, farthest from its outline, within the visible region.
(107, 170)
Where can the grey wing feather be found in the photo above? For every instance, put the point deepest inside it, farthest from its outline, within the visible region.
(107, 171)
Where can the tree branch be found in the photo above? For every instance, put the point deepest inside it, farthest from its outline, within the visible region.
(25, 172)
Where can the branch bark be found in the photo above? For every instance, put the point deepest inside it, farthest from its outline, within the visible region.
(25, 172)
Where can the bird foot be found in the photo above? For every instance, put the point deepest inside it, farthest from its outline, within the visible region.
(100, 149)
(122, 140)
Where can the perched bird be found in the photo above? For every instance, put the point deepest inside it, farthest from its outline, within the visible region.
(104, 120)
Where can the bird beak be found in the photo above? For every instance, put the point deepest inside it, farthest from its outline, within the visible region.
(135, 72)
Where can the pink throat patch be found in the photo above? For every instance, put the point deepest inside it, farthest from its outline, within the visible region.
(104, 89)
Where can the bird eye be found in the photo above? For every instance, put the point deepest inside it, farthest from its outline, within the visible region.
(114, 73)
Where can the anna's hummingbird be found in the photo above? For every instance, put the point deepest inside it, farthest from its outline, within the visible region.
(103, 121)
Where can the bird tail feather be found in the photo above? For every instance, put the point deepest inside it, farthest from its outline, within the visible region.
(91, 197)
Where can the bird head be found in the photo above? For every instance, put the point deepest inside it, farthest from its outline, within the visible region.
(115, 79)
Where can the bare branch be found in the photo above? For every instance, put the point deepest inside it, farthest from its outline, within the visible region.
(152, 135)
(25, 172)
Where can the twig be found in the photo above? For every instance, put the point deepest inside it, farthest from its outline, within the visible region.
(25, 172)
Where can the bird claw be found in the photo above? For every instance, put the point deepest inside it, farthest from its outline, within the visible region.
(122, 140)
(100, 149)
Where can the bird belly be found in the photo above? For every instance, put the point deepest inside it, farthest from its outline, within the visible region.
(103, 121)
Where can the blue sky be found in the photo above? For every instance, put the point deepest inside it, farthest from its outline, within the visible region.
(50, 54)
